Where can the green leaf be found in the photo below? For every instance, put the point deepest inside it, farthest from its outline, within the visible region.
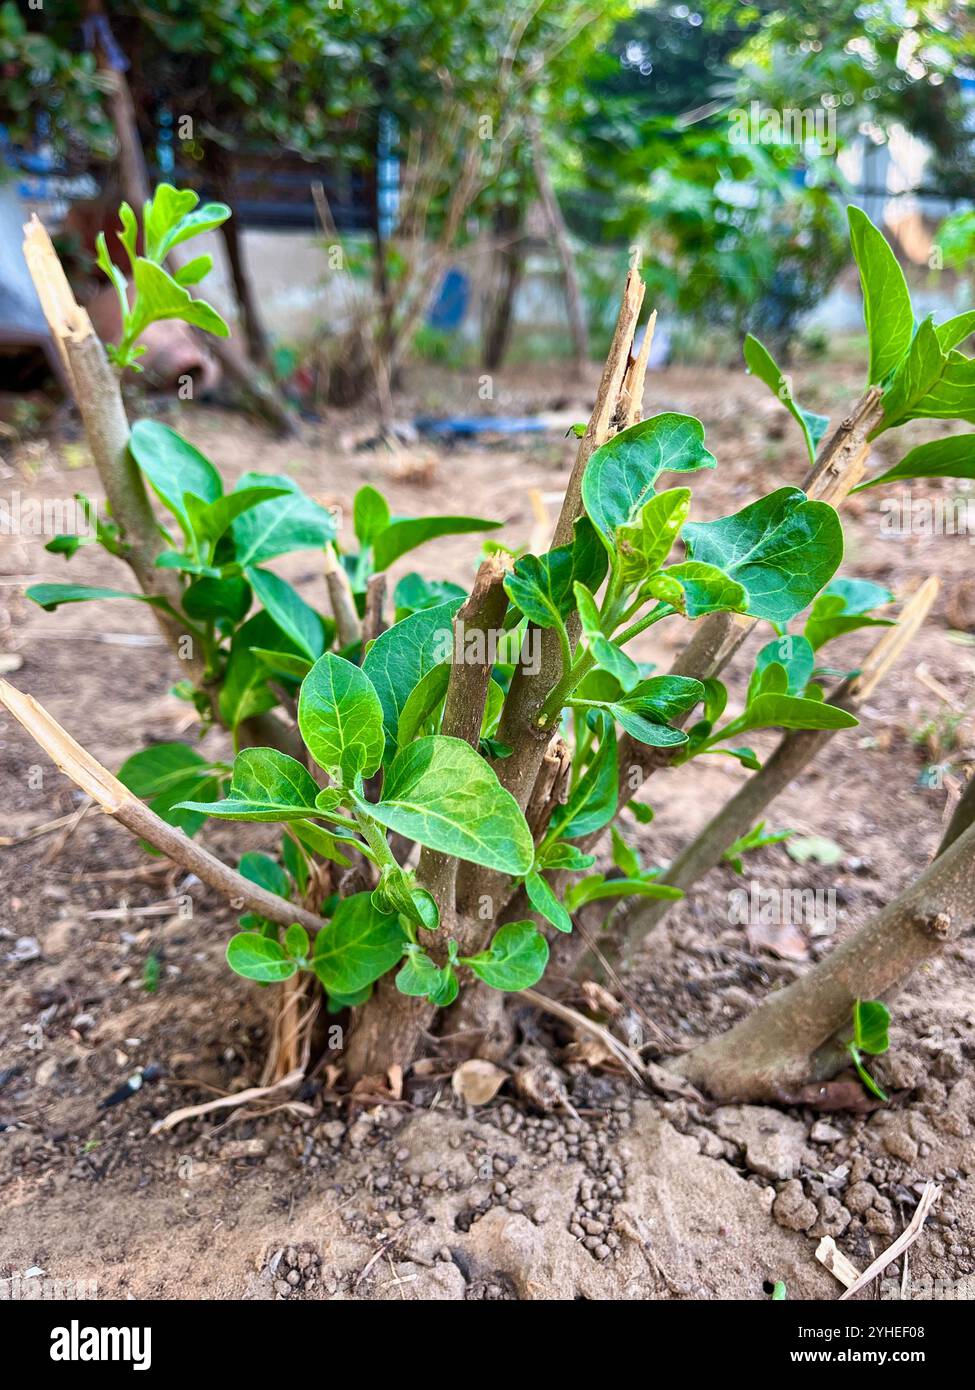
(193, 271)
(358, 946)
(296, 941)
(174, 468)
(818, 848)
(871, 1020)
(793, 654)
(370, 514)
(49, 596)
(211, 519)
(703, 589)
(165, 775)
(281, 525)
(406, 534)
(341, 719)
(597, 888)
(441, 794)
(844, 606)
(782, 548)
(265, 871)
(607, 656)
(159, 296)
(217, 598)
(620, 475)
(951, 397)
(754, 839)
(760, 363)
(423, 704)
(257, 957)
(864, 1075)
(516, 958)
(397, 891)
(402, 655)
(157, 767)
(665, 697)
(563, 856)
(954, 331)
(544, 901)
(289, 610)
(326, 843)
(413, 592)
(541, 585)
(169, 218)
(625, 856)
(953, 457)
(420, 976)
(284, 662)
(887, 308)
(644, 730)
(776, 711)
(646, 710)
(265, 786)
(592, 804)
(645, 546)
(915, 379)
(245, 693)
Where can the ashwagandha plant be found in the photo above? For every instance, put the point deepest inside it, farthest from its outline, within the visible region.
(452, 773)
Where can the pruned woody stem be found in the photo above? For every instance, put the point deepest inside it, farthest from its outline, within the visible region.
(115, 799)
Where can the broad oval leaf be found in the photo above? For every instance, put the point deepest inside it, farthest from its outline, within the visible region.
(358, 946)
(341, 719)
(402, 655)
(793, 654)
(283, 524)
(257, 957)
(702, 589)
(265, 786)
(441, 794)
(782, 549)
(370, 514)
(776, 711)
(620, 476)
(516, 958)
(265, 871)
(174, 468)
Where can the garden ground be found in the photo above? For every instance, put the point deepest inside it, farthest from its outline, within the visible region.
(617, 1194)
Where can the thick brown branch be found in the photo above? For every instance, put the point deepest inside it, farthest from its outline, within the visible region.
(795, 1039)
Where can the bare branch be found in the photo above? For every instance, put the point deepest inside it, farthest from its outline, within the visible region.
(347, 626)
(89, 774)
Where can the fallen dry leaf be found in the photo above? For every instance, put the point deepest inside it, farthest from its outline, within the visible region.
(476, 1082)
(783, 941)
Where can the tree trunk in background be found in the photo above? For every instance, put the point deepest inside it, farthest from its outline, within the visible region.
(221, 165)
(560, 235)
(796, 1039)
(508, 265)
(256, 387)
